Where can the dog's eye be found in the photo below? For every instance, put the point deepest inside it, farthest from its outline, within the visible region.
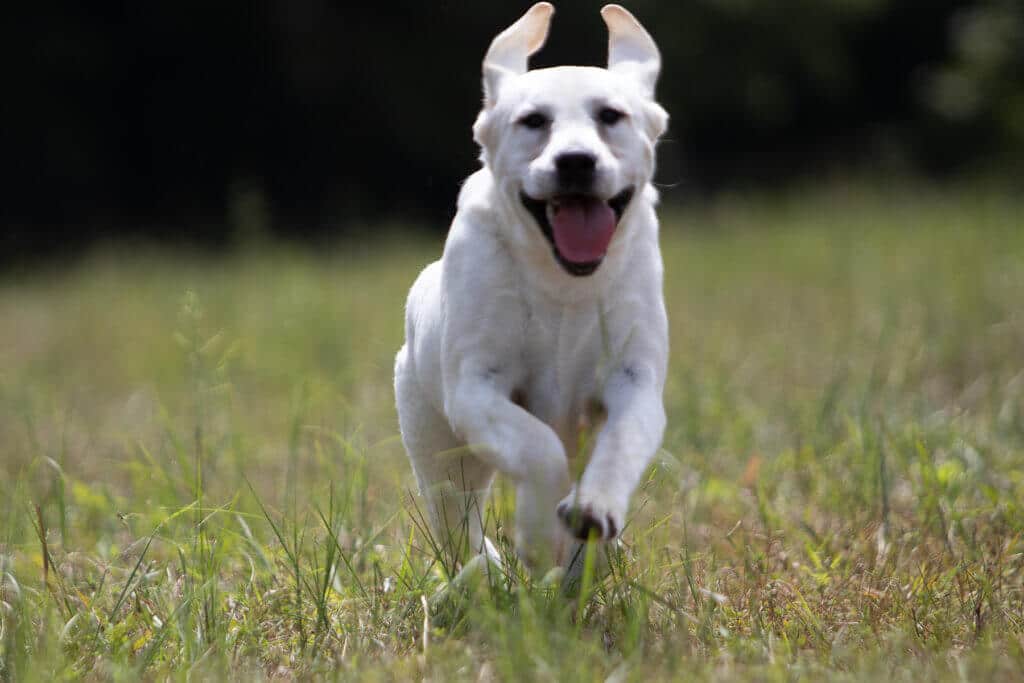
(609, 116)
(534, 121)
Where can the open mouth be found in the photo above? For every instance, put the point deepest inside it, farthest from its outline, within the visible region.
(579, 227)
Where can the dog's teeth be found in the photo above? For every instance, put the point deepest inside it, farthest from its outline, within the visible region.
(552, 209)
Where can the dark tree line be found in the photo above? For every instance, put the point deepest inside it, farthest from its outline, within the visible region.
(183, 119)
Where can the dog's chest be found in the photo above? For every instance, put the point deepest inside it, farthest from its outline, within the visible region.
(563, 359)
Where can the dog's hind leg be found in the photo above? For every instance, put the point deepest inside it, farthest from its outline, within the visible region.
(454, 483)
(455, 490)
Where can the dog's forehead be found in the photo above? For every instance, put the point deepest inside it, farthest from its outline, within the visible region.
(567, 84)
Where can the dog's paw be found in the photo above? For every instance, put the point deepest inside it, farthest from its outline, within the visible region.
(585, 519)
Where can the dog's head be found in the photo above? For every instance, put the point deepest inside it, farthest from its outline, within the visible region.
(571, 145)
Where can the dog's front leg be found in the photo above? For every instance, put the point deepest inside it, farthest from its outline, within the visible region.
(516, 443)
(627, 442)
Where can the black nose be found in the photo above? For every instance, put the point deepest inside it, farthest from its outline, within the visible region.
(576, 170)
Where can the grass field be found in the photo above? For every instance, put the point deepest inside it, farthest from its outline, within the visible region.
(201, 477)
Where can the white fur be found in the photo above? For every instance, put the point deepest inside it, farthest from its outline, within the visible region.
(505, 351)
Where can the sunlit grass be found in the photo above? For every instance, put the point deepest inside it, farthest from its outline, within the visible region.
(201, 475)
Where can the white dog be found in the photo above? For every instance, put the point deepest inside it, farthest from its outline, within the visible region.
(546, 309)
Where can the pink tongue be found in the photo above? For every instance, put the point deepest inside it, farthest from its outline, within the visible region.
(583, 228)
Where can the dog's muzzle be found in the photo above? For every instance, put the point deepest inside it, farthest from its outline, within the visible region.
(578, 226)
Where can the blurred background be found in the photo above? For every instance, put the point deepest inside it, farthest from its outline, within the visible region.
(212, 123)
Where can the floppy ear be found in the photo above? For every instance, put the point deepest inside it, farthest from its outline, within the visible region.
(655, 120)
(631, 50)
(511, 49)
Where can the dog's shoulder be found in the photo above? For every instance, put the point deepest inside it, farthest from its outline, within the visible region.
(474, 242)
(476, 196)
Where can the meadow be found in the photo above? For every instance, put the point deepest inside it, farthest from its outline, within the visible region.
(201, 475)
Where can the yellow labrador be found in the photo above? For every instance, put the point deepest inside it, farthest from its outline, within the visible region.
(547, 303)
